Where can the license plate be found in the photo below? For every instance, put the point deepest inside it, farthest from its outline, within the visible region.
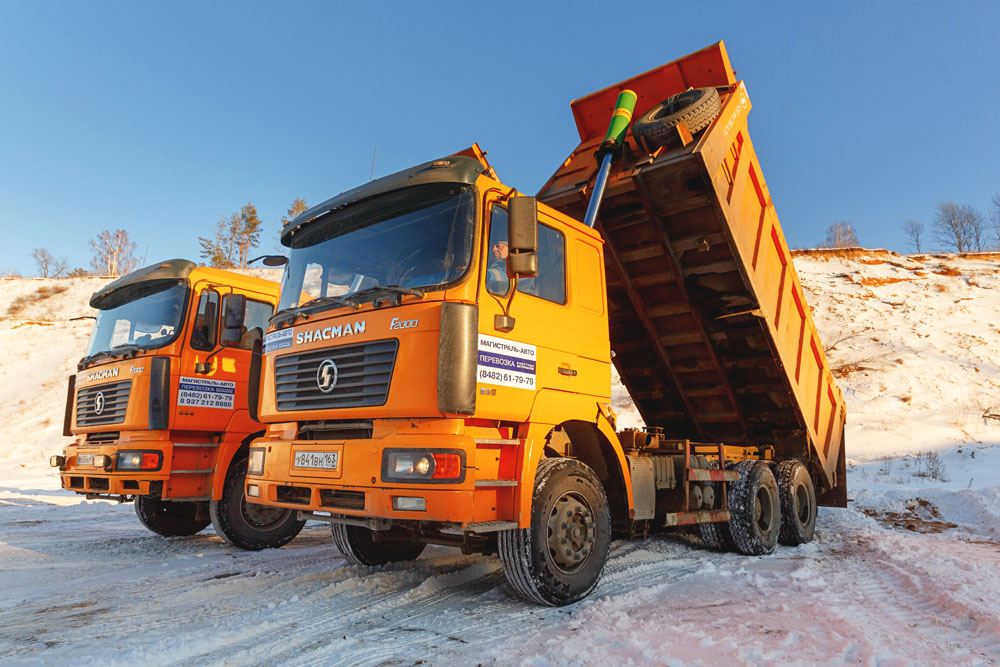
(85, 459)
(323, 460)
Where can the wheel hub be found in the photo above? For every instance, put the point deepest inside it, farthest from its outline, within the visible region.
(762, 510)
(261, 516)
(571, 532)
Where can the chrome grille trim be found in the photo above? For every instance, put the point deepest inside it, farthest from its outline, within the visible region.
(116, 396)
(364, 376)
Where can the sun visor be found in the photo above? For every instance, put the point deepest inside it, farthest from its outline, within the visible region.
(162, 273)
(453, 169)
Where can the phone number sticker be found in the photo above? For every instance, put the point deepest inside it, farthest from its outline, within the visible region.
(205, 393)
(506, 363)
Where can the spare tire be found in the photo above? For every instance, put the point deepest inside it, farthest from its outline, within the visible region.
(696, 108)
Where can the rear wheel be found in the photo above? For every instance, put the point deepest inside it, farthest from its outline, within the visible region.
(359, 546)
(755, 511)
(716, 536)
(798, 503)
(169, 518)
(246, 525)
(560, 558)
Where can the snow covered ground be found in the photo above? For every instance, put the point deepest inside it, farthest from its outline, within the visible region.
(909, 574)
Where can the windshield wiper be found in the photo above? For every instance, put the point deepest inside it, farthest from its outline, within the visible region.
(289, 315)
(124, 350)
(379, 290)
(118, 351)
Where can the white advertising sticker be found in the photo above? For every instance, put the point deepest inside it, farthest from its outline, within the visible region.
(277, 340)
(205, 393)
(506, 363)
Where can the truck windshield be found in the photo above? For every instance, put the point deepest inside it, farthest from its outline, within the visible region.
(416, 237)
(147, 316)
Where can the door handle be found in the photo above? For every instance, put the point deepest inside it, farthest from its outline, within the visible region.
(566, 370)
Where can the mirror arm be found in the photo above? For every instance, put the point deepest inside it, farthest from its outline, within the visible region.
(505, 322)
(203, 368)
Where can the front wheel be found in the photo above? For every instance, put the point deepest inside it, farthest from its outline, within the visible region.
(169, 518)
(246, 525)
(560, 558)
(358, 545)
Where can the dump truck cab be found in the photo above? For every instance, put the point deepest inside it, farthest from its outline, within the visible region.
(158, 407)
(439, 370)
(409, 380)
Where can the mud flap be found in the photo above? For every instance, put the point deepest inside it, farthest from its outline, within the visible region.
(837, 496)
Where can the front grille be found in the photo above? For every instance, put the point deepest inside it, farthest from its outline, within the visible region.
(111, 398)
(294, 495)
(336, 429)
(102, 436)
(363, 372)
(345, 500)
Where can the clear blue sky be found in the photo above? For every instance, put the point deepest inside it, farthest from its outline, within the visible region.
(159, 117)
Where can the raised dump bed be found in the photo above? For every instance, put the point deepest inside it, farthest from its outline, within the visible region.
(709, 325)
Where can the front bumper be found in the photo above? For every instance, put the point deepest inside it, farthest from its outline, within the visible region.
(356, 488)
(187, 473)
(96, 480)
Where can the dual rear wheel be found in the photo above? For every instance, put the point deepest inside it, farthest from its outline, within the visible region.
(766, 507)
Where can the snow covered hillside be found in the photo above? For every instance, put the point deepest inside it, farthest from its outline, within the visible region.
(909, 574)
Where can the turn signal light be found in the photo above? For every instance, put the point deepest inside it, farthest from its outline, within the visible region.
(447, 466)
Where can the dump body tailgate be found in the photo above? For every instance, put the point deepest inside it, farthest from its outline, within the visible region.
(711, 331)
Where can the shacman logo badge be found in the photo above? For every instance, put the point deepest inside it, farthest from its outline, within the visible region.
(99, 403)
(326, 376)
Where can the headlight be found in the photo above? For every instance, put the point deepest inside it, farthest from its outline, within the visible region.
(433, 466)
(57, 461)
(255, 466)
(138, 460)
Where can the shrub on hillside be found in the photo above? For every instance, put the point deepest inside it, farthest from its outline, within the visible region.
(39, 295)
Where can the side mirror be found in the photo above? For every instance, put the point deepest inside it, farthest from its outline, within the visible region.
(233, 313)
(522, 237)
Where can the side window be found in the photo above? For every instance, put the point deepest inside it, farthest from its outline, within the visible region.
(255, 322)
(550, 284)
(206, 321)
(497, 281)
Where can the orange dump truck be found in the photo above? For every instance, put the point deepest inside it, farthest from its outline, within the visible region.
(158, 408)
(440, 366)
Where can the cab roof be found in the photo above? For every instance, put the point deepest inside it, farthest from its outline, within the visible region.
(173, 270)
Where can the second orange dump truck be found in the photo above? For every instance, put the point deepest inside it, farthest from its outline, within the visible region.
(159, 410)
(439, 370)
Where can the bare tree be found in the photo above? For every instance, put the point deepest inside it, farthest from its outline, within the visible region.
(113, 253)
(840, 235)
(913, 230)
(78, 272)
(959, 228)
(297, 208)
(49, 266)
(995, 218)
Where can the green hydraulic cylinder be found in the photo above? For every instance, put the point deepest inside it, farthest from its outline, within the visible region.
(610, 150)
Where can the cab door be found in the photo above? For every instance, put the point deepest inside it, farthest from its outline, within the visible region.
(560, 336)
(206, 400)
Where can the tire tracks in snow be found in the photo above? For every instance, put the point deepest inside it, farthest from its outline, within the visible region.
(424, 615)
